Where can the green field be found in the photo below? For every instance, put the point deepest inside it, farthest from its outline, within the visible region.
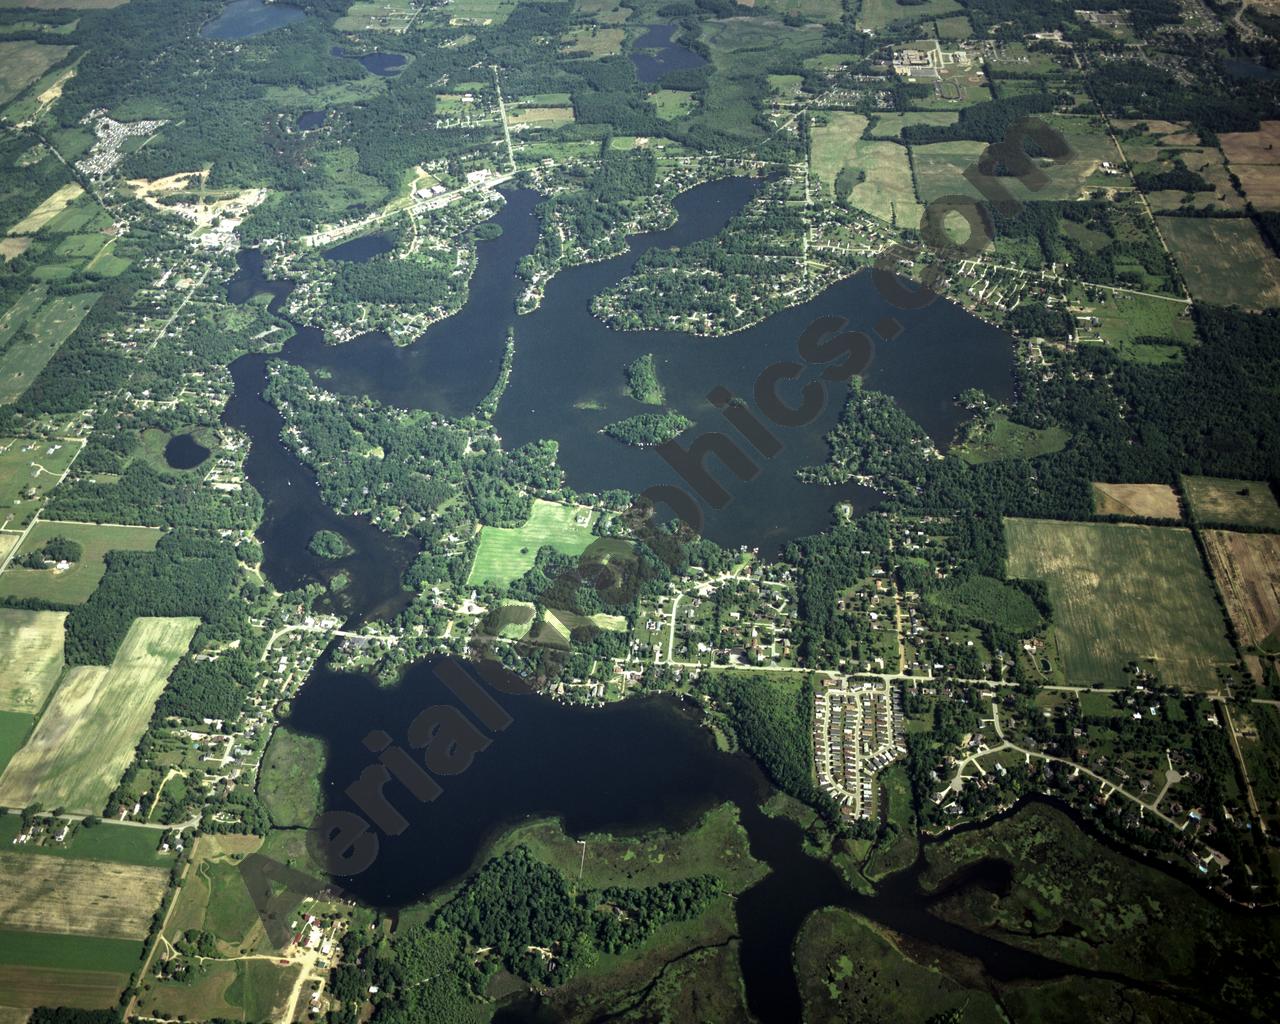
(15, 727)
(41, 336)
(672, 103)
(483, 12)
(85, 952)
(940, 166)
(889, 126)
(75, 584)
(508, 553)
(1224, 260)
(1121, 318)
(86, 737)
(1121, 594)
(999, 438)
(884, 190)
(29, 469)
(876, 15)
(1232, 502)
(30, 658)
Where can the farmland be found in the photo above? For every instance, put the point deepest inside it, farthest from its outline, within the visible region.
(75, 584)
(1232, 502)
(106, 841)
(1224, 260)
(30, 658)
(1123, 594)
(47, 210)
(246, 990)
(1142, 501)
(79, 897)
(507, 553)
(87, 735)
(214, 898)
(1246, 567)
(883, 188)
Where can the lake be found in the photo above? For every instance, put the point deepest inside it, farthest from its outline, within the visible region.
(184, 452)
(656, 53)
(568, 374)
(652, 766)
(309, 120)
(360, 249)
(385, 65)
(241, 19)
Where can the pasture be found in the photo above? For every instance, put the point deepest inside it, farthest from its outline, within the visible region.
(15, 727)
(29, 470)
(45, 331)
(30, 658)
(1143, 501)
(889, 126)
(1232, 502)
(379, 16)
(480, 12)
(75, 584)
(880, 182)
(86, 737)
(1246, 567)
(241, 990)
(79, 897)
(213, 898)
(1122, 594)
(875, 15)
(826, 11)
(594, 42)
(22, 62)
(672, 103)
(1119, 319)
(506, 553)
(1224, 260)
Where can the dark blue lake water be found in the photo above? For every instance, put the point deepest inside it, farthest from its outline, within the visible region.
(241, 19)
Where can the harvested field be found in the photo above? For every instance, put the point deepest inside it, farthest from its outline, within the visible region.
(1142, 501)
(30, 657)
(24, 987)
(1260, 147)
(1123, 593)
(86, 737)
(47, 210)
(1246, 567)
(78, 897)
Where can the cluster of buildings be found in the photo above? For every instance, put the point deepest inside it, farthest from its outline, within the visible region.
(857, 732)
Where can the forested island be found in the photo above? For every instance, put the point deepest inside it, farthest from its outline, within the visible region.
(649, 428)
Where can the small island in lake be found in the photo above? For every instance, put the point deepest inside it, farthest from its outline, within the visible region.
(649, 428)
(642, 381)
(328, 544)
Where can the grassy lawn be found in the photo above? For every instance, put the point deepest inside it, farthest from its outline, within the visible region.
(1224, 260)
(30, 658)
(1232, 502)
(86, 737)
(75, 584)
(507, 553)
(1124, 593)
